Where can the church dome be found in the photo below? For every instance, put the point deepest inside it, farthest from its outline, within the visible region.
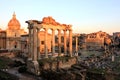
(14, 23)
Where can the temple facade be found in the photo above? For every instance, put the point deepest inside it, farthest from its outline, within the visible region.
(36, 40)
(47, 23)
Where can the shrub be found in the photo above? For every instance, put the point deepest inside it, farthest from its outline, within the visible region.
(22, 69)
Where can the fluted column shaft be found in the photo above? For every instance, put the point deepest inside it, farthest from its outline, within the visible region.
(59, 41)
(76, 44)
(32, 47)
(46, 48)
(34, 43)
(65, 44)
(53, 41)
(70, 42)
(29, 46)
(38, 45)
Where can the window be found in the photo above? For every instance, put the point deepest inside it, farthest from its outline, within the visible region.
(15, 46)
(25, 46)
(42, 42)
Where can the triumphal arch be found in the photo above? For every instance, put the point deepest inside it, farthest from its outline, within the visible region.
(47, 23)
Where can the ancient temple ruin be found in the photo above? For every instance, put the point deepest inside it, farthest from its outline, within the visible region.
(34, 42)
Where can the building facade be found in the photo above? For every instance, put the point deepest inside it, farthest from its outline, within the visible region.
(2, 39)
(13, 34)
(95, 40)
(116, 38)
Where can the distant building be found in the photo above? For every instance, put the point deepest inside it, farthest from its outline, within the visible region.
(116, 38)
(42, 42)
(116, 34)
(2, 39)
(10, 38)
(95, 40)
(25, 45)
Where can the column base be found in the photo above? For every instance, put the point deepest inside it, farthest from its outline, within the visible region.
(33, 67)
(29, 59)
(46, 56)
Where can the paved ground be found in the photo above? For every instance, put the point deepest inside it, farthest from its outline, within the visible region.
(21, 76)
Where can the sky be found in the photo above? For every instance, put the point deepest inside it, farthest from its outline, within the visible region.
(85, 16)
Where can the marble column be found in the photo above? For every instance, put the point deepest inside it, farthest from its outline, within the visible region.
(53, 41)
(29, 45)
(38, 44)
(76, 43)
(34, 44)
(65, 44)
(59, 42)
(105, 48)
(46, 48)
(8, 44)
(4, 42)
(70, 43)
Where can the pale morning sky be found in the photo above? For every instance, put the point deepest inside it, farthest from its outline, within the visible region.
(86, 16)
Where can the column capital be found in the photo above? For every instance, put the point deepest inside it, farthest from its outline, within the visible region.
(64, 30)
(37, 28)
(59, 29)
(45, 29)
(30, 26)
(70, 30)
(53, 29)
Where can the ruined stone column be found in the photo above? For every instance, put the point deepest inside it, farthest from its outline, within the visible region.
(34, 43)
(38, 44)
(76, 44)
(46, 48)
(70, 42)
(59, 42)
(65, 44)
(53, 41)
(8, 44)
(33, 65)
(29, 45)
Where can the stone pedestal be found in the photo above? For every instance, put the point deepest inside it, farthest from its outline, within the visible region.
(113, 58)
(33, 67)
(29, 59)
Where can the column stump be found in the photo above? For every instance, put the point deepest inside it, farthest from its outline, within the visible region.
(33, 67)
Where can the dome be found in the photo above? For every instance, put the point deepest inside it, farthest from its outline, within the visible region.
(14, 23)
